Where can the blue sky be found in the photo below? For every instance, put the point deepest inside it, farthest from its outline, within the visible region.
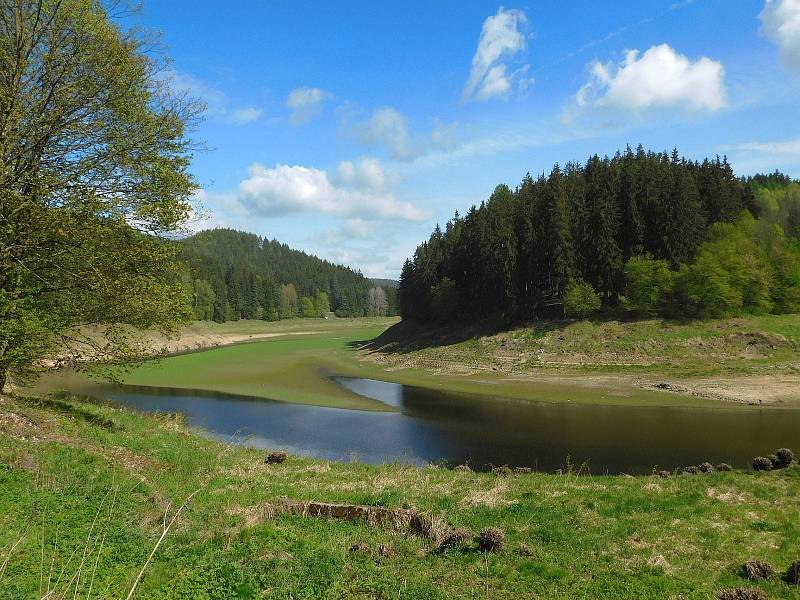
(348, 130)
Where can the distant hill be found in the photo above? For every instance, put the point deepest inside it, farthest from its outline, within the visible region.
(386, 283)
(238, 275)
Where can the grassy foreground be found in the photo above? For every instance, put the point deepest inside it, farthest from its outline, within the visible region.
(84, 489)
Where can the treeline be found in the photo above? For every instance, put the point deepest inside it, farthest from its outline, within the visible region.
(649, 232)
(235, 275)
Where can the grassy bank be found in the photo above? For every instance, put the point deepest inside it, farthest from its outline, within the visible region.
(87, 484)
(292, 360)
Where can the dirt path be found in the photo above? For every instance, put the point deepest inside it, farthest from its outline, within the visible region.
(198, 341)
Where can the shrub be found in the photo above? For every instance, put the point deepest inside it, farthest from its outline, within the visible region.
(757, 569)
(724, 467)
(664, 474)
(491, 539)
(793, 573)
(648, 284)
(762, 463)
(742, 594)
(706, 467)
(580, 299)
(691, 470)
(776, 462)
(785, 457)
(276, 458)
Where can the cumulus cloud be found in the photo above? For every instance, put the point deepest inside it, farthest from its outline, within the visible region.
(502, 36)
(659, 78)
(286, 189)
(305, 104)
(780, 21)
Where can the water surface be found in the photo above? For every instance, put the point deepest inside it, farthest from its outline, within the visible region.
(434, 426)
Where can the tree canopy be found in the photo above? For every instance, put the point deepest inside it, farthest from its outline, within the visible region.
(651, 232)
(94, 161)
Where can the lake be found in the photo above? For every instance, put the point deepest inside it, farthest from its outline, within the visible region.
(434, 426)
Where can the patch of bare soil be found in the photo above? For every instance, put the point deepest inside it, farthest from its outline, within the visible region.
(753, 389)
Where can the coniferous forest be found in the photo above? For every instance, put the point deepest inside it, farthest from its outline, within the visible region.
(651, 233)
(235, 275)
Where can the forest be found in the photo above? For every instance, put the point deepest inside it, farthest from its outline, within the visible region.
(235, 275)
(642, 232)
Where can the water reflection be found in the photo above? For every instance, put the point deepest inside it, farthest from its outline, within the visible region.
(429, 425)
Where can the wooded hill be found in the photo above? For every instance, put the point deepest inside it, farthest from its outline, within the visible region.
(649, 232)
(237, 275)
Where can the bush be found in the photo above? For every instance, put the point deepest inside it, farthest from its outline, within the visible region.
(524, 550)
(691, 470)
(724, 467)
(762, 463)
(456, 539)
(757, 569)
(648, 284)
(785, 458)
(776, 462)
(491, 539)
(664, 474)
(706, 467)
(580, 299)
(276, 458)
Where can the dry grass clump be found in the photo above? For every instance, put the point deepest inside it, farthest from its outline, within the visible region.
(456, 539)
(360, 548)
(762, 463)
(462, 468)
(664, 474)
(724, 467)
(523, 470)
(386, 551)
(742, 594)
(276, 458)
(773, 458)
(785, 458)
(503, 471)
(792, 574)
(524, 550)
(491, 539)
(690, 470)
(706, 467)
(757, 569)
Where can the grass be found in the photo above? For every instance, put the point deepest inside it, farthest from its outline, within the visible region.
(88, 484)
(295, 362)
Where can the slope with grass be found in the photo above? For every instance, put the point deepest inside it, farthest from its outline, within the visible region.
(84, 490)
(754, 359)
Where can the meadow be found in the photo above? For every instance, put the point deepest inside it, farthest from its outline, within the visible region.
(86, 488)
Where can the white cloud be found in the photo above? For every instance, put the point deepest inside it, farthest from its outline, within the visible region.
(659, 78)
(216, 101)
(501, 37)
(286, 189)
(242, 116)
(368, 173)
(780, 20)
(304, 104)
(388, 127)
(790, 147)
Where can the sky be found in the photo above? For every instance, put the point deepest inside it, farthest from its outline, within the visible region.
(349, 129)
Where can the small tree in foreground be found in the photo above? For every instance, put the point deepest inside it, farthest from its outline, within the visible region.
(580, 299)
(93, 172)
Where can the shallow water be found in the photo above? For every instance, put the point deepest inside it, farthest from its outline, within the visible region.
(432, 426)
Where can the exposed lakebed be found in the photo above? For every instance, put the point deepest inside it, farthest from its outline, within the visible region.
(433, 426)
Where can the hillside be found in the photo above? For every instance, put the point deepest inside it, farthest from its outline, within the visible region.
(237, 275)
